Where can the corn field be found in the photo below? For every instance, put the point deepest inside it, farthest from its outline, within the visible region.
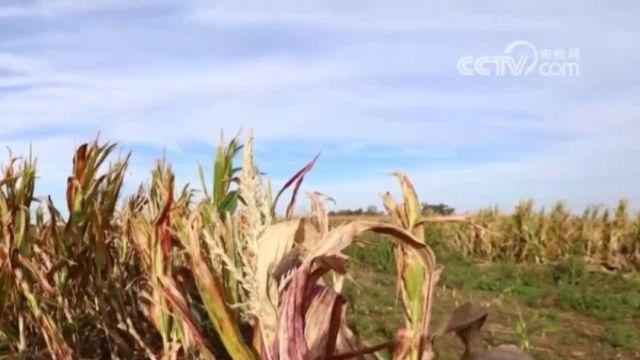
(607, 237)
(175, 273)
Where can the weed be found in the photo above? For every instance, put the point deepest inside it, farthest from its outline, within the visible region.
(622, 336)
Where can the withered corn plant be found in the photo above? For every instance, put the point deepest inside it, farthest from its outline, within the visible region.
(64, 284)
(24, 287)
(544, 237)
(416, 280)
(172, 275)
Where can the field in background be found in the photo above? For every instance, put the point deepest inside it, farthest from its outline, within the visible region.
(607, 237)
(565, 309)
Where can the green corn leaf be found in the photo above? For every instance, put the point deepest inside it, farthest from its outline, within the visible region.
(229, 204)
(203, 182)
(218, 174)
(219, 313)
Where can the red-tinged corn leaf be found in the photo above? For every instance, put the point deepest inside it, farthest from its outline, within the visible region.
(170, 292)
(296, 180)
(162, 223)
(323, 320)
(291, 342)
(80, 161)
(274, 244)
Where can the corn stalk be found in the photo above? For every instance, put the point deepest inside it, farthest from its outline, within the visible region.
(416, 279)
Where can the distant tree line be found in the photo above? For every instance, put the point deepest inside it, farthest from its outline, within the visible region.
(370, 210)
(437, 209)
(427, 209)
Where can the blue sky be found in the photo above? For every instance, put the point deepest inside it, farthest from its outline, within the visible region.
(373, 85)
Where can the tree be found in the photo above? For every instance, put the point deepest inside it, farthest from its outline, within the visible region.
(437, 209)
(372, 210)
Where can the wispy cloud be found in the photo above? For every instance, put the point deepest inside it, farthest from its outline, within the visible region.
(374, 86)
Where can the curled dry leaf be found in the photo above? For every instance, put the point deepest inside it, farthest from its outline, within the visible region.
(394, 210)
(411, 204)
(319, 211)
(294, 341)
(323, 320)
(276, 242)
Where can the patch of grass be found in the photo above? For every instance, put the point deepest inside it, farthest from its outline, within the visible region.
(567, 284)
(622, 336)
(372, 308)
(377, 253)
(502, 278)
(599, 295)
(568, 310)
(599, 302)
(570, 271)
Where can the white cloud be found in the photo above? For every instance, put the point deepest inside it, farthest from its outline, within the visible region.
(598, 166)
(357, 73)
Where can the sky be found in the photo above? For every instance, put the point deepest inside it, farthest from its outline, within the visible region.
(373, 86)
